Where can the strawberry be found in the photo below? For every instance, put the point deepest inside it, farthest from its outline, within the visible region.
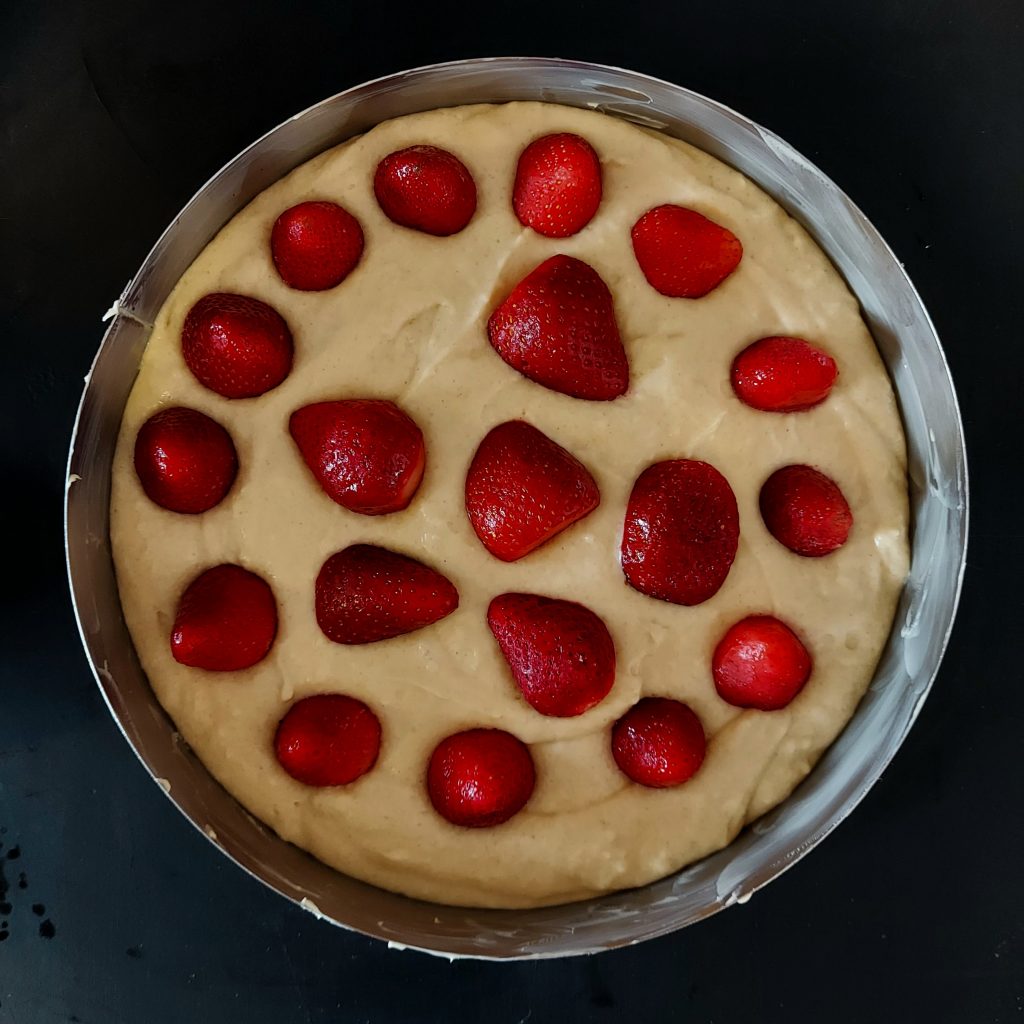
(681, 533)
(760, 663)
(235, 345)
(185, 461)
(315, 245)
(805, 510)
(226, 620)
(427, 189)
(522, 488)
(558, 185)
(561, 654)
(659, 742)
(327, 740)
(365, 593)
(682, 253)
(783, 375)
(558, 328)
(480, 777)
(365, 453)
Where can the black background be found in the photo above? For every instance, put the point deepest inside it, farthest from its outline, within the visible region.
(113, 114)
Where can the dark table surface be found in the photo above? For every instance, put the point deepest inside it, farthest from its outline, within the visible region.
(113, 113)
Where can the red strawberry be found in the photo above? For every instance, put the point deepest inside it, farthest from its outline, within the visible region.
(315, 245)
(327, 740)
(235, 345)
(682, 253)
(522, 489)
(365, 453)
(366, 593)
(558, 328)
(659, 742)
(760, 663)
(558, 185)
(186, 462)
(783, 375)
(560, 653)
(426, 188)
(682, 529)
(226, 620)
(805, 510)
(480, 777)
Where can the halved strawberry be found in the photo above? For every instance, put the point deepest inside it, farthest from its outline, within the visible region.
(558, 328)
(366, 453)
(185, 461)
(315, 245)
(558, 185)
(760, 663)
(365, 593)
(329, 739)
(480, 778)
(781, 374)
(226, 620)
(522, 489)
(427, 189)
(805, 510)
(659, 742)
(682, 253)
(561, 654)
(236, 345)
(681, 533)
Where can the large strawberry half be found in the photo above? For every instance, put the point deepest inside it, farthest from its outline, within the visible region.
(681, 533)
(558, 328)
(427, 189)
(782, 374)
(558, 185)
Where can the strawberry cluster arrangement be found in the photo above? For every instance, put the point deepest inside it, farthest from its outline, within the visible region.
(558, 328)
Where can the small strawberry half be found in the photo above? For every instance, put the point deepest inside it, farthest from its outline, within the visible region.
(226, 620)
(480, 778)
(558, 185)
(682, 253)
(329, 739)
(781, 374)
(236, 345)
(315, 245)
(659, 742)
(805, 510)
(427, 189)
(558, 328)
(185, 461)
(522, 489)
(365, 594)
(561, 654)
(760, 663)
(681, 533)
(366, 453)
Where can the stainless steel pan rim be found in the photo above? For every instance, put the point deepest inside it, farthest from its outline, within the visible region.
(939, 497)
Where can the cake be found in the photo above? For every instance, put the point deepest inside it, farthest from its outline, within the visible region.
(511, 505)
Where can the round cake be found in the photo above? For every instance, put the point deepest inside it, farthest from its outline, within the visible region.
(511, 505)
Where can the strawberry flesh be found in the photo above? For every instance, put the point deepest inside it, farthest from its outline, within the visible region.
(236, 345)
(806, 511)
(681, 532)
(366, 593)
(315, 245)
(558, 328)
(427, 189)
(782, 374)
(682, 253)
(480, 778)
(367, 454)
(329, 739)
(226, 620)
(558, 185)
(659, 742)
(561, 654)
(760, 663)
(185, 461)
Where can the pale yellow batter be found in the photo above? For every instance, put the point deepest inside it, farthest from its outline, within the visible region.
(409, 325)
